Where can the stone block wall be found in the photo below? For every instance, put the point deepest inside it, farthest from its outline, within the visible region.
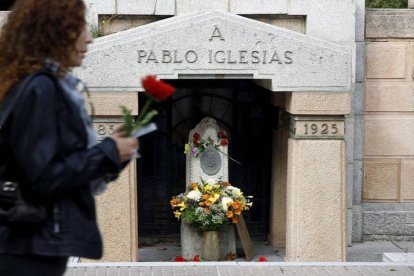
(389, 126)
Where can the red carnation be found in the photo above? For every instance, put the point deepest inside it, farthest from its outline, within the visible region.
(180, 259)
(196, 258)
(224, 142)
(157, 88)
(196, 136)
(262, 259)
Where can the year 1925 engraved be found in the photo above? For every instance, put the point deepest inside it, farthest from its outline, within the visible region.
(318, 128)
(325, 128)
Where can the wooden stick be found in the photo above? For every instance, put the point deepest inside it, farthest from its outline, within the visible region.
(245, 238)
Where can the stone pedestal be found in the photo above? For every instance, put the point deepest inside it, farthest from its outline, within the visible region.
(316, 211)
(192, 241)
(192, 238)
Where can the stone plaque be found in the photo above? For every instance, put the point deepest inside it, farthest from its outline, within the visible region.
(317, 127)
(210, 161)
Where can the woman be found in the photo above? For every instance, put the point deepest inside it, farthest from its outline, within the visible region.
(51, 145)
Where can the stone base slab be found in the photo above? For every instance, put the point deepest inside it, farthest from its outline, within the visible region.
(398, 257)
(192, 241)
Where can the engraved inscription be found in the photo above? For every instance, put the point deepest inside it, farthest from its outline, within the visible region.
(317, 129)
(216, 34)
(103, 129)
(323, 129)
(210, 161)
(269, 56)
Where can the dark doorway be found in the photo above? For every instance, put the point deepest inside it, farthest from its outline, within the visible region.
(240, 106)
(6, 5)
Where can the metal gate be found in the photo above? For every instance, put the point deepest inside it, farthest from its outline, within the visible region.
(239, 106)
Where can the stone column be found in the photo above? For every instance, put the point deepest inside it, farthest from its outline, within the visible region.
(117, 207)
(316, 205)
(277, 225)
(316, 212)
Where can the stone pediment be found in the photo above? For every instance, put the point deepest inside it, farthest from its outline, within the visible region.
(217, 45)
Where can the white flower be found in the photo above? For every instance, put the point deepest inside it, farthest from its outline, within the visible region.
(194, 195)
(235, 191)
(211, 181)
(225, 201)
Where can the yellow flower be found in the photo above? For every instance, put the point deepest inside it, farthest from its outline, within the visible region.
(187, 148)
(214, 198)
(177, 214)
(182, 206)
(208, 187)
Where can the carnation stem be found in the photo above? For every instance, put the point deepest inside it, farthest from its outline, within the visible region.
(144, 110)
(232, 159)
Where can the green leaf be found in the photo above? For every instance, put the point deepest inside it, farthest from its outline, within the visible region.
(147, 118)
(129, 121)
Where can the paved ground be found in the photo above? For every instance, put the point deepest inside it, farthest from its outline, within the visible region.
(363, 259)
(240, 268)
(359, 252)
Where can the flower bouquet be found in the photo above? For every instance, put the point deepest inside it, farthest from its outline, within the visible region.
(209, 205)
(155, 90)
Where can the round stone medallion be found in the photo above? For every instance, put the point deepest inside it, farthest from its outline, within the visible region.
(210, 161)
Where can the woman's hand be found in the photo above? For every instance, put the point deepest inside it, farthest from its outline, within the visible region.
(127, 146)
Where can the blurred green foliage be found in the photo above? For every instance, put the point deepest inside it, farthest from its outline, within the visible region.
(387, 4)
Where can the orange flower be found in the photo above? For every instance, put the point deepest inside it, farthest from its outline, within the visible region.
(174, 202)
(226, 184)
(237, 212)
(234, 220)
(236, 204)
(229, 214)
(193, 185)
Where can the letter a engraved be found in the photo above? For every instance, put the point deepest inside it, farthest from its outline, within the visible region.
(216, 33)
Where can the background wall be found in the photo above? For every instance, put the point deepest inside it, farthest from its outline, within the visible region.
(388, 186)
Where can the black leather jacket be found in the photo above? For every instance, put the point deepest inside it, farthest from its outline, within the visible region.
(47, 152)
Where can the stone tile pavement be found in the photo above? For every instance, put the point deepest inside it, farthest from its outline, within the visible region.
(362, 259)
(240, 268)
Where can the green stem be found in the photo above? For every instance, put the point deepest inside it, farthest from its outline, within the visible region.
(144, 110)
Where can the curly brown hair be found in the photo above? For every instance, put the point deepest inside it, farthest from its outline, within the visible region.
(36, 30)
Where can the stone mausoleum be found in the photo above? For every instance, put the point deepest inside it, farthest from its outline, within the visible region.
(316, 96)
